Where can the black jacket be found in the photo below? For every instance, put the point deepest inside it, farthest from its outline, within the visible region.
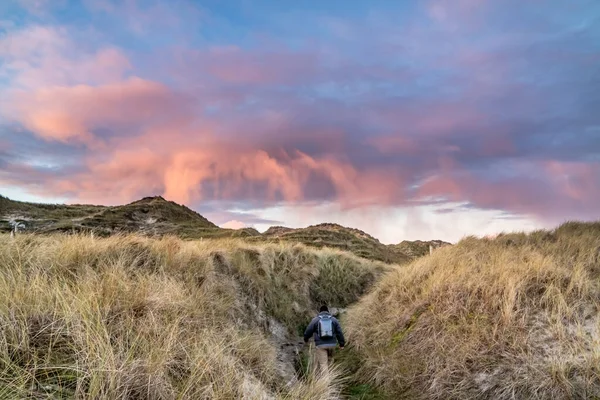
(312, 330)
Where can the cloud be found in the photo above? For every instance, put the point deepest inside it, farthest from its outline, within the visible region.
(234, 224)
(425, 115)
(144, 17)
(40, 8)
(38, 56)
(444, 11)
(223, 171)
(72, 112)
(232, 65)
(553, 190)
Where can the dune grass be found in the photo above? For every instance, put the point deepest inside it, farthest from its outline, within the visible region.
(128, 317)
(515, 317)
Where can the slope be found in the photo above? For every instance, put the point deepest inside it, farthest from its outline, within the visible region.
(353, 240)
(336, 236)
(417, 248)
(155, 216)
(513, 317)
(134, 317)
(152, 216)
(39, 216)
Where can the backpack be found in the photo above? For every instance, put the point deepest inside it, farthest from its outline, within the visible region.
(325, 327)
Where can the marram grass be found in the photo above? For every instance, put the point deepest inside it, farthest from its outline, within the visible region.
(127, 317)
(515, 317)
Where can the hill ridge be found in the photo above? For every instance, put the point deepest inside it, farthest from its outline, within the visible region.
(157, 216)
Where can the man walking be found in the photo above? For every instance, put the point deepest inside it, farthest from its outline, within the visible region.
(325, 330)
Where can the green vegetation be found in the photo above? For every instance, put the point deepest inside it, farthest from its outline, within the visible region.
(417, 248)
(155, 217)
(364, 391)
(355, 387)
(336, 236)
(153, 316)
(352, 240)
(512, 317)
(149, 215)
(47, 211)
(134, 317)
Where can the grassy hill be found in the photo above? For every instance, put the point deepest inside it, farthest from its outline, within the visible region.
(516, 317)
(39, 216)
(152, 216)
(417, 248)
(136, 316)
(155, 216)
(353, 240)
(128, 317)
(337, 236)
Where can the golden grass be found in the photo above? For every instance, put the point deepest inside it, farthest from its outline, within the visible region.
(136, 318)
(516, 317)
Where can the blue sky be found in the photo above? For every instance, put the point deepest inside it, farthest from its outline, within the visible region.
(409, 120)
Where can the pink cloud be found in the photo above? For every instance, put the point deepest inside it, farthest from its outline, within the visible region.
(5, 145)
(40, 7)
(245, 172)
(573, 187)
(158, 143)
(233, 65)
(413, 122)
(456, 14)
(189, 164)
(578, 180)
(143, 16)
(66, 113)
(143, 137)
(181, 155)
(39, 56)
(393, 144)
(234, 224)
(496, 145)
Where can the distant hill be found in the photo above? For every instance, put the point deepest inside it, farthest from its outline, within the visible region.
(152, 216)
(335, 236)
(276, 231)
(156, 216)
(417, 248)
(355, 241)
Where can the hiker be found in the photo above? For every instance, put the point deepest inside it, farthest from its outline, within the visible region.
(326, 330)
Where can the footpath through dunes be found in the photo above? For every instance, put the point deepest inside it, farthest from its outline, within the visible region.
(128, 317)
(515, 317)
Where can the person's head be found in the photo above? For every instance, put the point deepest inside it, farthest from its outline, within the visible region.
(324, 309)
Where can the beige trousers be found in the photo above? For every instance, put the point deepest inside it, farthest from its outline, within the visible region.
(322, 358)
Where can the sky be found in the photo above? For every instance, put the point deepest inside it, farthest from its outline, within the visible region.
(429, 119)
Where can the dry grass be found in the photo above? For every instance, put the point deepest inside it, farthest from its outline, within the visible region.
(138, 318)
(150, 216)
(516, 317)
(349, 239)
(157, 217)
